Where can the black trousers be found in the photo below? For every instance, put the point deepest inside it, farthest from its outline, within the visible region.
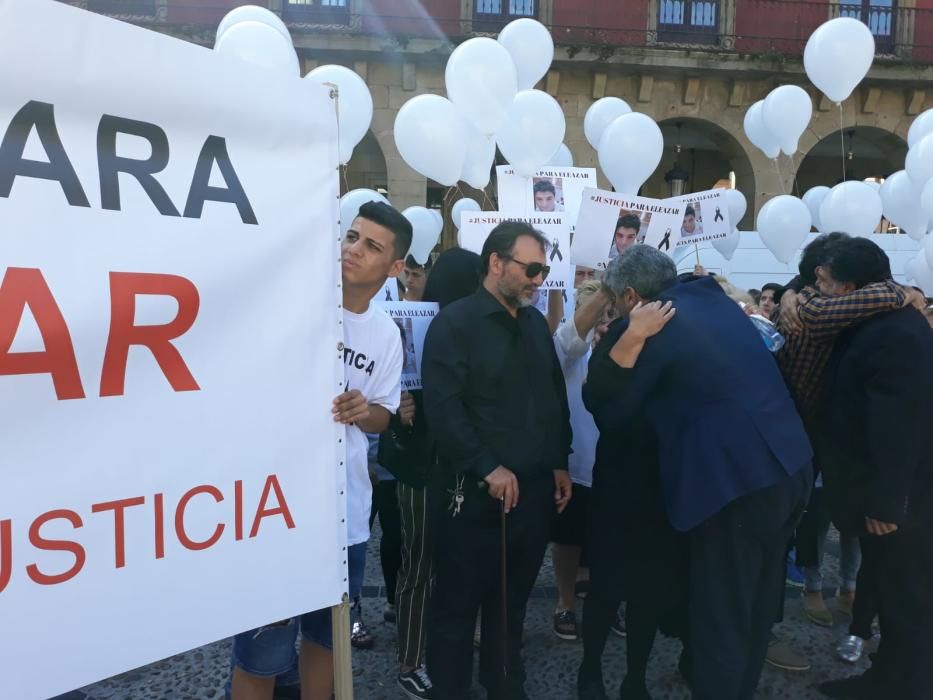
(736, 559)
(385, 505)
(901, 567)
(467, 556)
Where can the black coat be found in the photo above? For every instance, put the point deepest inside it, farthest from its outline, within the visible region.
(877, 423)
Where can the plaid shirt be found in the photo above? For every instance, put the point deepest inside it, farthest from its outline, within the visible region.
(804, 355)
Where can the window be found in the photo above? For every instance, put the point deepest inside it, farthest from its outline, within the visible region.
(879, 15)
(123, 7)
(492, 15)
(688, 21)
(316, 11)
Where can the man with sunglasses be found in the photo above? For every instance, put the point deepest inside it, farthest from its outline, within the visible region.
(497, 407)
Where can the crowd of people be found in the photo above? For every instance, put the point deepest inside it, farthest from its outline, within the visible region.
(673, 439)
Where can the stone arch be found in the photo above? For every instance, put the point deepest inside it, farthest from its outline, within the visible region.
(708, 153)
(367, 167)
(870, 152)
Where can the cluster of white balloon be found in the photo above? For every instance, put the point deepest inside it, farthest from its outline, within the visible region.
(256, 35)
(490, 101)
(837, 57)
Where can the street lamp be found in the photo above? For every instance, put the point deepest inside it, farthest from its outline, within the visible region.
(676, 178)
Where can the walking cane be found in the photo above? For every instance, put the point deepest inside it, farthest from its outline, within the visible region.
(505, 603)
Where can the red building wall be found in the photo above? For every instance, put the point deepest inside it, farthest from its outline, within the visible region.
(768, 26)
(600, 22)
(201, 13)
(923, 31)
(424, 18)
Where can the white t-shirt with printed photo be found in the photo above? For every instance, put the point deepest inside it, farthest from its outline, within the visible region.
(372, 358)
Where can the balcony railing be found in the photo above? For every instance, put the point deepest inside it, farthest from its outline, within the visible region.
(492, 15)
(334, 12)
(132, 8)
(766, 28)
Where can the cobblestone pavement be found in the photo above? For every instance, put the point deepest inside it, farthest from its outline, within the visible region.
(551, 662)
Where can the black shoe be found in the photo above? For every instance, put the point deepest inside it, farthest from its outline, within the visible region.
(416, 684)
(618, 625)
(867, 686)
(590, 685)
(565, 625)
(633, 691)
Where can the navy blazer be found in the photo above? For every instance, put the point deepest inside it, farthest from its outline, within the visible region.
(711, 391)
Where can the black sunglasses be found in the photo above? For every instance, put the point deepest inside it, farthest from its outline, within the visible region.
(532, 270)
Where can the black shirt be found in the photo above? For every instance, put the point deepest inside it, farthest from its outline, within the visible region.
(494, 392)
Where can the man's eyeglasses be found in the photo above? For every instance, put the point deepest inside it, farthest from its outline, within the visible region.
(532, 270)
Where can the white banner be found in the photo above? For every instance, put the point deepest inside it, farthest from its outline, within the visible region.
(475, 228)
(599, 234)
(170, 469)
(706, 217)
(551, 190)
(412, 319)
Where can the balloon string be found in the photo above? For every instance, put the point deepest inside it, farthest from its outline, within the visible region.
(842, 141)
(777, 166)
(346, 183)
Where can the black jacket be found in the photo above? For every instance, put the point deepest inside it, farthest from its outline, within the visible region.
(877, 423)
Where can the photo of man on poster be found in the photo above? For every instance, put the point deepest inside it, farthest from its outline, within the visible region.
(548, 194)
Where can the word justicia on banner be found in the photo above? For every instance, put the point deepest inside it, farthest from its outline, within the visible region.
(156, 519)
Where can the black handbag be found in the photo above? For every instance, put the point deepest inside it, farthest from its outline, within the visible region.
(407, 452)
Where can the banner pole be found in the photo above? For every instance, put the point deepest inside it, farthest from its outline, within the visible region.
(340, 614)
(343, 660)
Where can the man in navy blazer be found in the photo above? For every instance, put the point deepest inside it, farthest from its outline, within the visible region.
(734, 458)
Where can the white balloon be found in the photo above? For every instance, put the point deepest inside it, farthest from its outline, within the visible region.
(430, 136)
(600, 115)
(737, 204)
(728, 245)
(813, 198)
(630, 150)
(900, 204)
(252, 13)
(758, 133)
(919, 162)
(261, 45)
(563, 158)
(783, 224)
(463, 205)
(531, 47)
(851, 207)
(426, 229)
(350, 205)
(926, 200)
(786, 113)
(928, 251)
(532, 132)
(481, 80)
(921, 273)
(355, 105)
(838, 55)
(921, 126)
(480, 155)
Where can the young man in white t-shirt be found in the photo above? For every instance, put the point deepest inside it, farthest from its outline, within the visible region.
(373, 249)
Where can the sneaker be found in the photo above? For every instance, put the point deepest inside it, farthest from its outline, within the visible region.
(618, 625)
(416, 684)
(795, 578)
(565, 625)
(780, 655)
(815, 608)
(850, 648)
(389, 614)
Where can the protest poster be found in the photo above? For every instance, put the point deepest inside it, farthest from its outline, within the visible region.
(169, 348)
(475, 228)
(412, 319)
(550, 190)
(389, 291)
(597, 239)
(706, 217)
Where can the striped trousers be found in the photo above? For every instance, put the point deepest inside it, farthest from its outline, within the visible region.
(414, 576)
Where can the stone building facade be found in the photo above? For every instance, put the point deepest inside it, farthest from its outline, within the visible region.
(695, 66)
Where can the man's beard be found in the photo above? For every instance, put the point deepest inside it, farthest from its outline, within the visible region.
(515, 298)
